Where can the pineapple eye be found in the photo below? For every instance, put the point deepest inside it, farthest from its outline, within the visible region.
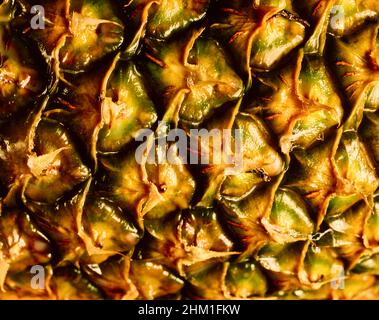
(229, 280)
(370, 134)
(122, 277)
(259, 37)
(55, 24)
(108, 228)
(246, 280)
(368, 265)
(289, 219)
(154, 280)
(69, 283)
(56, 160)
(196, 90)
(356, 68)
(21, 81)
(112, 276)
(127, 108)
(140, 193)
(189, 237)
(95, 31)
(21, 244)
(167, 17)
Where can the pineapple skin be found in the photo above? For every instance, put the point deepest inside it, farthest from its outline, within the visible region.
(80, 79)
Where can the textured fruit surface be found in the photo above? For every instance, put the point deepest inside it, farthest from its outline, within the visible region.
(80, 80)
